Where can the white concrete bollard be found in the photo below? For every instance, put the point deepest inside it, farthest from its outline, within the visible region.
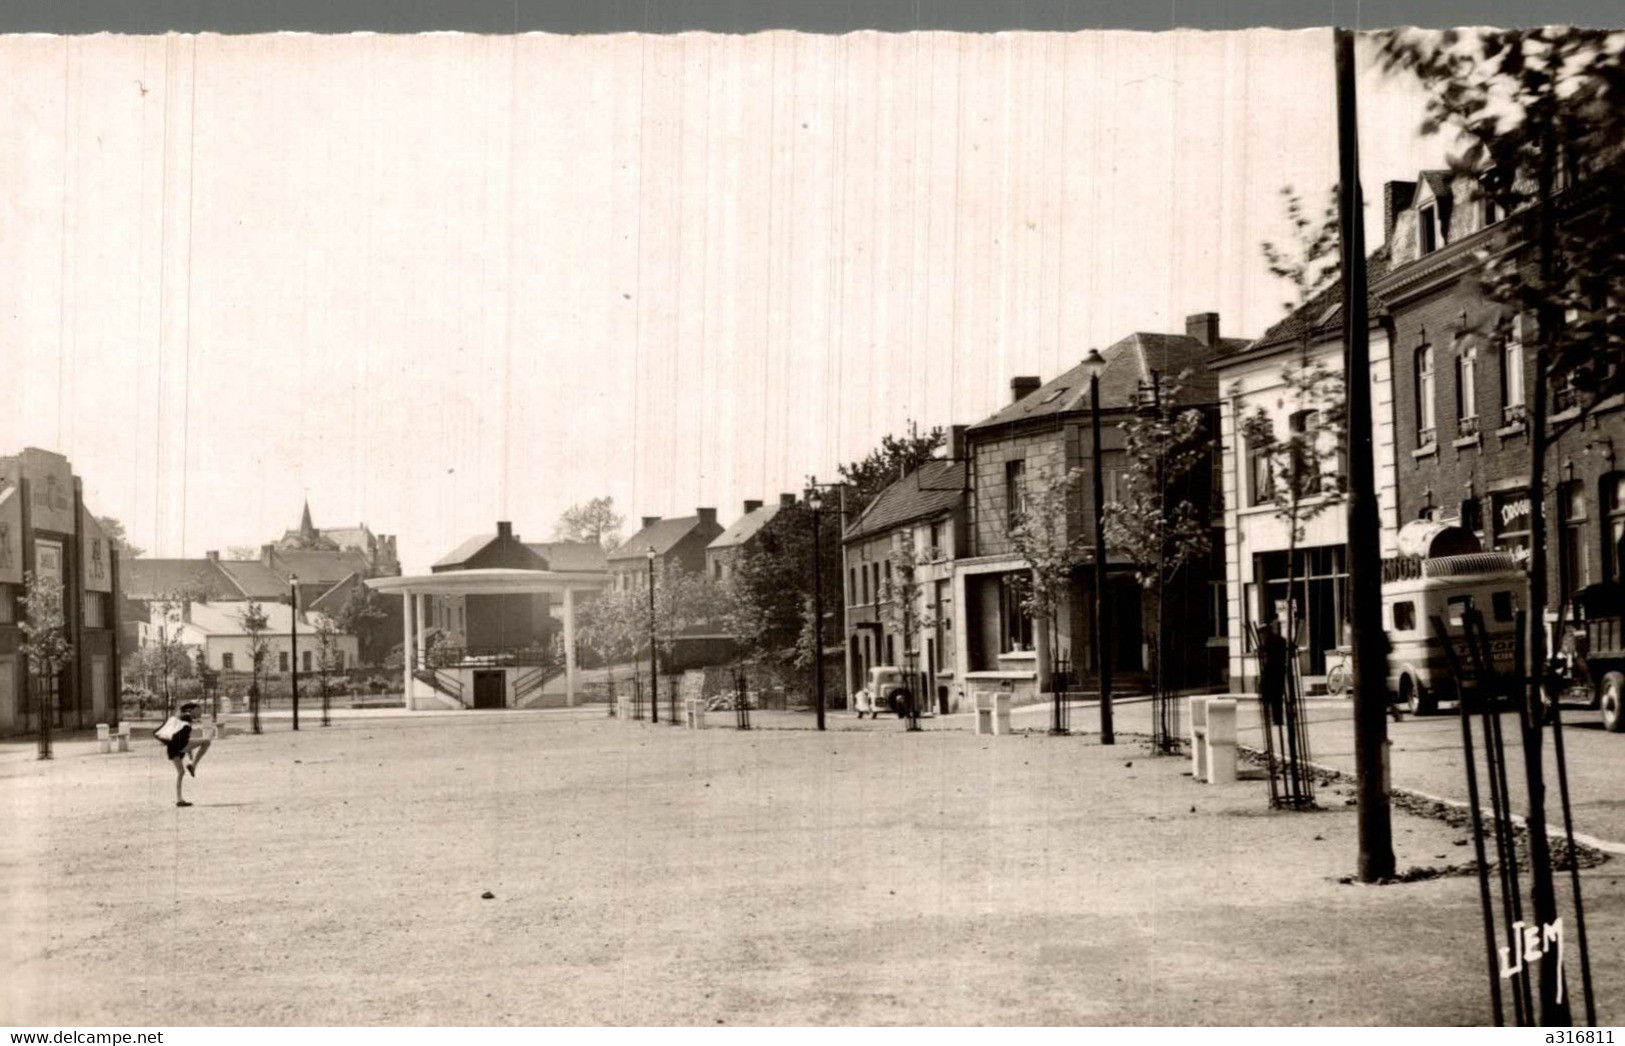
(984, 711)
(696, 713)
(1199, 738)
(623, 707)
(124, 737)
(104, 738)
(1001, 713)
(1221, 740)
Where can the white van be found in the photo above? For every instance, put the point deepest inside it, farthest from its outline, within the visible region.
(1445, 586)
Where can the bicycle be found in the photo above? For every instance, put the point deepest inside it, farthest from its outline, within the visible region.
(1339, 675)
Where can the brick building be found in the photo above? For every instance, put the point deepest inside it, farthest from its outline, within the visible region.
(898, 561)
(1461, 400)
(46, 531)
(1043, 433)
(678, 544)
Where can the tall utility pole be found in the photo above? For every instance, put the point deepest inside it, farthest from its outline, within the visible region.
(654, 669)
(293, 641)
(1103, 656)
(1376, 860)
(815, 502)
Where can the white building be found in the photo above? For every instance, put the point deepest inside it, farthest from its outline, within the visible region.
(217, 630)
(1257, 532)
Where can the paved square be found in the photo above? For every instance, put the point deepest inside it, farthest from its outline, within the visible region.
(652, 875)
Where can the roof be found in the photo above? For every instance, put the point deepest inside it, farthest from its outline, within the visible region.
(745, 527)
(930, 490)
(348, 537)
(316, 567)
(226, 618)
(1129, 363)
(1324, 312)
(570, 555)
(150, 579)
(466, 551)
(663, 535)
(255, 579)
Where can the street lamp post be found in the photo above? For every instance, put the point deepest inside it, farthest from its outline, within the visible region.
(815, 502)
(1094, 363)
(654, 685)
(293, 639)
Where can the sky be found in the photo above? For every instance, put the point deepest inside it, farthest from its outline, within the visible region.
(430, 282)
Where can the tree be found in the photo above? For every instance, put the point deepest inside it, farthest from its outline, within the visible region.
(164, 658)
(1053, 549)
(607, 624)
(891, 461)
(1159, 535)
(242, 553)
(595, 521)
(770, 600)
(329, 658)
(117, 538)
(364, 617)
(1539, 117)
(45, 644)
(255, 624)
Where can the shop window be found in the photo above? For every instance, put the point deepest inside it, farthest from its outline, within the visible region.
(1613, 502)
(1016, 628)
(1510, 520)
(1571, 505)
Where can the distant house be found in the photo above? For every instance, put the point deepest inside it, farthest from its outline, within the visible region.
(722, 554)
(678, 544)
(216, 631)
(898, 559)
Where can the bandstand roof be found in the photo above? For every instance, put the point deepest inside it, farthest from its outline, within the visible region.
(489, 581)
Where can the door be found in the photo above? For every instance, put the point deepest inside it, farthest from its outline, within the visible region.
(490, 689)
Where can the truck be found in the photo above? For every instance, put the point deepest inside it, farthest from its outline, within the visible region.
(1419, 673)
(1596, 645)
(887, 689)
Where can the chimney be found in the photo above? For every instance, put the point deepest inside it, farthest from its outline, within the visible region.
(504, 530)
(1023, 387)
(649, 521)
(213, 557)
(956, 443)
(265, 555)
(1204, 327)
(752, 506)
(1396, 197)
(708, 516)
(786, 500)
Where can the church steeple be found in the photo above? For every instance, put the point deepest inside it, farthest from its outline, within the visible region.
(307, 531)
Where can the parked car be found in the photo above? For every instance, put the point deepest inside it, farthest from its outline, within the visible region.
(887, 689)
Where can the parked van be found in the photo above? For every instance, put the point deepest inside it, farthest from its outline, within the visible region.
(1446, 586)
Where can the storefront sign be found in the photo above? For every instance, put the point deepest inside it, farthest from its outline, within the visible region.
(50, 490)
(1513, 515)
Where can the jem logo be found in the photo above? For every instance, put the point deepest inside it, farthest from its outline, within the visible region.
(1531, 943)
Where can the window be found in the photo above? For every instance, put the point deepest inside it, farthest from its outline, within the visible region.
(863, 572)
(1571, 511)
(1261, 473)
(1404, 616)
(338, 660)
(1472, 516)
(304, 659)
(1429, 236)
(1502, 606)
(228, 662)
(1426, 423)
(8, 605)
(1613, 501)
(937, 551)
(1513, 405)
(1015, 491)
(1466, 392)
(1305, 426)
(281, 660)
(95, 610)
(851, 586)
(1016, 632)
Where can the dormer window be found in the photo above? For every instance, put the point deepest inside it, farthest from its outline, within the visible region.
(1429, 234)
